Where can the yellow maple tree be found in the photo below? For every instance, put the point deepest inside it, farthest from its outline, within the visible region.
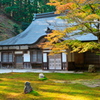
(85, 14)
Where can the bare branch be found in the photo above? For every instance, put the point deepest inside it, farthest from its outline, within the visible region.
(98, 22)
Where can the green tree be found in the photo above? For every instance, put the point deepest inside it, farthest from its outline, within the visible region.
(16, 29)
(23, 10)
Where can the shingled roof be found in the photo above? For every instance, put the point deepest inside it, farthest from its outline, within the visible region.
(34, 32)
(37, 29)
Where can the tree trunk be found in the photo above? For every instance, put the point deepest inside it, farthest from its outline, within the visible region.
(98, 39)
(99, 49)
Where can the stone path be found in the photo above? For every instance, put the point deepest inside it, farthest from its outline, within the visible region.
(92, 83)
(88, 83)
(32, 70)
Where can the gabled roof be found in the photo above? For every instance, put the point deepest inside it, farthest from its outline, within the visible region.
(34, 32)
(37, 29)
(86, 37)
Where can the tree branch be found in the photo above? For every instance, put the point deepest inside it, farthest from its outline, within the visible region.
(98, 22)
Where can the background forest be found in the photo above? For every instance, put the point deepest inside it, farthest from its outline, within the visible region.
(21, 12)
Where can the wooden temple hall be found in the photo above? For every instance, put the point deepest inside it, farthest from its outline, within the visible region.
(22, 51)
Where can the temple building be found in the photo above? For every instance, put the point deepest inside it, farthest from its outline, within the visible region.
(22, 51)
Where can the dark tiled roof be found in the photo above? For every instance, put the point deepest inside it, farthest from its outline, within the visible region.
(38, 28)
(45, 15)
(34, 32)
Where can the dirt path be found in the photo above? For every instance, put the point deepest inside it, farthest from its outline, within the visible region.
(89, 83)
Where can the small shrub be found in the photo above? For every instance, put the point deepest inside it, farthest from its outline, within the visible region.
(42, 79)
(1, 80)
(24, 25)
(16, 29)
(35, 93)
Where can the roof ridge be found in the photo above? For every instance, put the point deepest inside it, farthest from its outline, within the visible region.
(44, 15)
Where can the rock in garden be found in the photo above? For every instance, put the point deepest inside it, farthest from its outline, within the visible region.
(41, 75)
(91, 68)
(27, 88)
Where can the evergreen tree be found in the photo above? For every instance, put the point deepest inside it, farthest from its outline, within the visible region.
(22, 10)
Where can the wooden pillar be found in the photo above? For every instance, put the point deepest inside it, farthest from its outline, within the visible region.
(64, 62)
(45, 61)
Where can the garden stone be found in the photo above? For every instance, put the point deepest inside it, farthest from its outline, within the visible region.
(27, 88)
(91, 68)
(41, 75)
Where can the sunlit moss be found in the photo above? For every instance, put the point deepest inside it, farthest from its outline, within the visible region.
(59, 86)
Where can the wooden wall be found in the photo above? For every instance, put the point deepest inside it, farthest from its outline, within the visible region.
(92, 58)
(83, 60)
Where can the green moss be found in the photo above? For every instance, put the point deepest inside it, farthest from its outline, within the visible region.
(35, 93)
(42, 79)
(2, 25)
(58, 86)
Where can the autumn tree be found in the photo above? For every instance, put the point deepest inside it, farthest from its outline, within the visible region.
(81, 17)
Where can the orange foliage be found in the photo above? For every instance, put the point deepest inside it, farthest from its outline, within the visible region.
(67, 6)
(83, 14)
(92, 17)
